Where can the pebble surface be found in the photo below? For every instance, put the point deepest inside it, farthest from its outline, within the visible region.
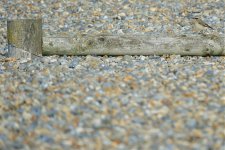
(124, 102)
(85, 17)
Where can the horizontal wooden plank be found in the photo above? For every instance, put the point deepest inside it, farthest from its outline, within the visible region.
(202, 45)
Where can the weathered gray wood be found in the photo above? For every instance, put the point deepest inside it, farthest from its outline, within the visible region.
(135, 45)
(24, 38)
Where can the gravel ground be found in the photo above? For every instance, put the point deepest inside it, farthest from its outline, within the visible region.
(125, 102)
(75, 17)
(139, 102)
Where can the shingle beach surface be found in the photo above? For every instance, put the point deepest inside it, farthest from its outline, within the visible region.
(141, 102)
(124, 102)
(74, 17)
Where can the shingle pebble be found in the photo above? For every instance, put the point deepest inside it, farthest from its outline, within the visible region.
(121, 17)
(124, 102)
(138, 102)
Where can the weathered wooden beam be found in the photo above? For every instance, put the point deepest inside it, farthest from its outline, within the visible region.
(202, 45)
(24, 38)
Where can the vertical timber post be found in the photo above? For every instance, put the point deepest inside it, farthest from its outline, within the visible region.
(24, 38)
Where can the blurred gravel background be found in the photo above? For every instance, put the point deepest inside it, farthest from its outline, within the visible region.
(124, 102)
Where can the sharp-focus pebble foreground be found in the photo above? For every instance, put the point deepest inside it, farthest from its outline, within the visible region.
(104, 103)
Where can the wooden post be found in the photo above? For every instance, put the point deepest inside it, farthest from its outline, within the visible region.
(24, 38)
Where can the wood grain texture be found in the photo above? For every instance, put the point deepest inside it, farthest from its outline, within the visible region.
(24, 38)
(202, 45)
